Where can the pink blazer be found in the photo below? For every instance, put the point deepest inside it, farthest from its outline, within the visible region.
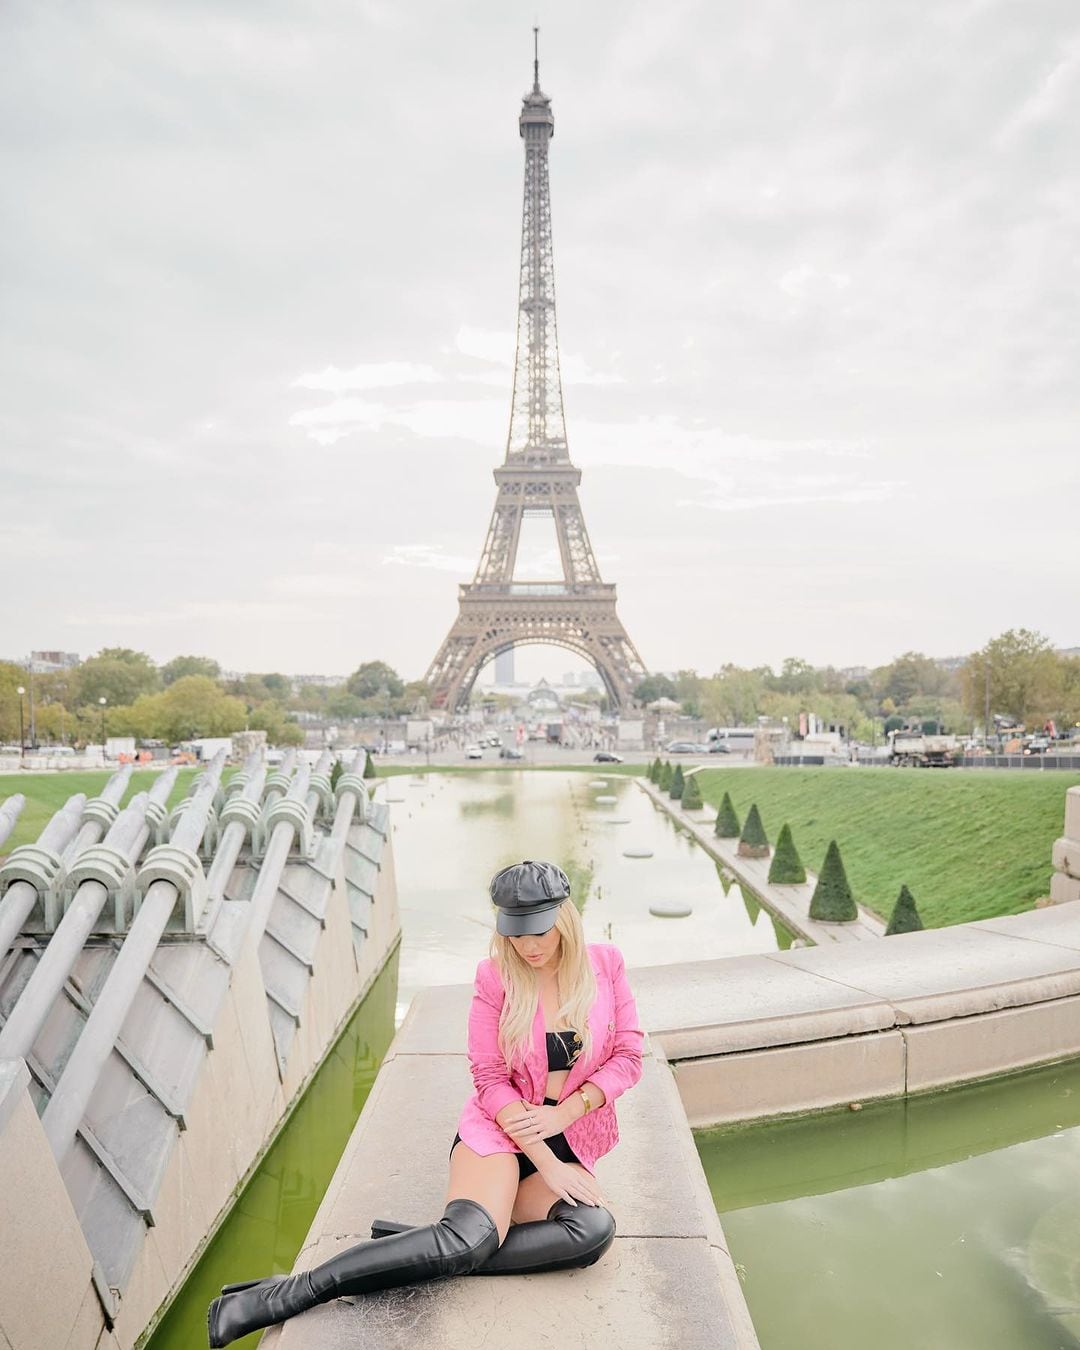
(614, 1064)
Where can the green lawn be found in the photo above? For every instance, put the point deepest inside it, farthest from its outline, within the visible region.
(969, 845)
(45, 793)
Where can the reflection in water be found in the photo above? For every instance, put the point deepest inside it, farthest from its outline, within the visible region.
(945, 1221)
(447, 852)
(269, 1222)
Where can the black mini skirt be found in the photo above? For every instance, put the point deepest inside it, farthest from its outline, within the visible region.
(557, 1143)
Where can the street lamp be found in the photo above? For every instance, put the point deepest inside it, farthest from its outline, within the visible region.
(102, 700)
(22, 735)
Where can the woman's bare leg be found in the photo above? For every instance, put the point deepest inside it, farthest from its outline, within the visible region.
(534, 1198)
(490, 1181)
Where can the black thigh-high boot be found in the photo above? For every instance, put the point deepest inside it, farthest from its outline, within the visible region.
(570, 1236)
(456, 1244)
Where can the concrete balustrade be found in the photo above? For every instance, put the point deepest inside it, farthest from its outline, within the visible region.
(99, 813)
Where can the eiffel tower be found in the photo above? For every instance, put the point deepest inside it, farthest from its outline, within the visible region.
(576, 610)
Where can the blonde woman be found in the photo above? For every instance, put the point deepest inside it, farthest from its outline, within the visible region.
(553, 1040)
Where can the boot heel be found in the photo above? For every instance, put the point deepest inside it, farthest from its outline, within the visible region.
(387, 1227)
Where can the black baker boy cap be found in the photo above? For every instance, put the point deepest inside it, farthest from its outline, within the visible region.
(527, 895)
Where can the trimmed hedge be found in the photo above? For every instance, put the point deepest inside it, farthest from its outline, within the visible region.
(336, 770)
(905, 917)
(664, 781)
(727, 822)
(691, 794)
(677, 783)
(369, 767)
(787, 868)
(832, 899)
(654, 770)
(753, 842)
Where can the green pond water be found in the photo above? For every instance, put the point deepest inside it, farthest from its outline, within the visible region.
(267, 1226)
(943, 1222)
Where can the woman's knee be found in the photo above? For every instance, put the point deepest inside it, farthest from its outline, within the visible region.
(489, 1180)
(593, 1226)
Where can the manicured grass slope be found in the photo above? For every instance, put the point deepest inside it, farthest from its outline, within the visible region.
(969, 845)
(45, 793)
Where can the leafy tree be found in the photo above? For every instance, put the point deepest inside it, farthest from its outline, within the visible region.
(119, 675)
(688, 690)
(1027, 677)
(180, 666)
(753, 841)
(832, 900)
(786, 868)
(343, 706)
(370, 679)
(727, 822)
(796, 677)
(905, 917)
(653, 687)
(280, 686)
(691, 794)
(677, 782)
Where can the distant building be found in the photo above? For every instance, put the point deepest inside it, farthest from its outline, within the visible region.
(43, 663)
(323, 681)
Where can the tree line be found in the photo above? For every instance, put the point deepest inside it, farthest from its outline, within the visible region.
(184, 698)
(1018, 676)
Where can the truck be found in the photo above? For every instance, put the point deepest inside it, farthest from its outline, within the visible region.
(917, 750)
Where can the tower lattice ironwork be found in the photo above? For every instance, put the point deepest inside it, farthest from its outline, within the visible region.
(536, 478)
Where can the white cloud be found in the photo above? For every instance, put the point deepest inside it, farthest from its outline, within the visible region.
(426, 555)
(377, 375)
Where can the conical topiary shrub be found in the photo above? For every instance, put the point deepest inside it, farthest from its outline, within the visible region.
(677, 782)
(786, 868)
(369, 767)
(753, 842)
(654, 770)
(691, 794)
(727, 822)
(905, 917)
(832, 899)
(336, 770)
(664, 781)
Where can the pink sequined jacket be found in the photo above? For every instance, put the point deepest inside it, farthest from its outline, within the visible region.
(614, 1063)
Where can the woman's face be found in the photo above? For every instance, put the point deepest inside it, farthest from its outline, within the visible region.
(540, 950)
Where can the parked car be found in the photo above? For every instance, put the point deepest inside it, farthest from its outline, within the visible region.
(606, 757)
(719, 748)
(510, 752)
(685, 748)
(474, 752)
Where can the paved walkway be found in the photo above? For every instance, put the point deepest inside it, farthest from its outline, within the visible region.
(667, 1280)
(790, 904)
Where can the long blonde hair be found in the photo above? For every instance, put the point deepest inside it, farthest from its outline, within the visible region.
(576, 986)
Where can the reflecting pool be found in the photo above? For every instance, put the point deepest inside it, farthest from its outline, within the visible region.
(452, 832)
(944, 1222)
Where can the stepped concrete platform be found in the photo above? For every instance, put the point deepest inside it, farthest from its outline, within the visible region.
(790, 904)
(803, 1030)
(667, 1280)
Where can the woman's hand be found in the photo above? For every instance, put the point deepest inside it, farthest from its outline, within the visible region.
(570, 1182)
(535, 1123)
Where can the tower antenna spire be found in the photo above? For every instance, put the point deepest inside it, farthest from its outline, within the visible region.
(536, 60)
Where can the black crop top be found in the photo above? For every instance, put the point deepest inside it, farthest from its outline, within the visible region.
(561, 1048)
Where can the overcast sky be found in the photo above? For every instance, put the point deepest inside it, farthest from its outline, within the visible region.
(818, 275)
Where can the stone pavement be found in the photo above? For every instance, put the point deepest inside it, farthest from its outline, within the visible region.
(667, 1280)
